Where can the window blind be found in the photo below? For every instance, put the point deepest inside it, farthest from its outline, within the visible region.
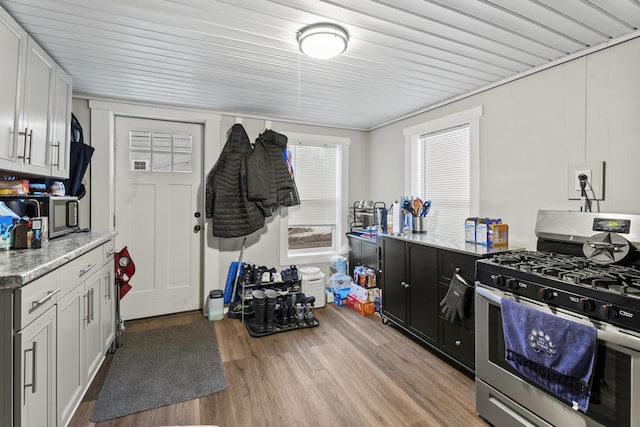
(444, 178)
(315, 172)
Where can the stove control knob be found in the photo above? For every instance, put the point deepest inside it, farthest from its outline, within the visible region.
(546, 294)
(587, 305)
(497, 280)
(609, 311)
(511, 283)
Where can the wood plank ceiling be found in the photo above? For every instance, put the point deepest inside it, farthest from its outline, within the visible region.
(240, 57)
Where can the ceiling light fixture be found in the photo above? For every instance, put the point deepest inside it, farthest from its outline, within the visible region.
(322, 41)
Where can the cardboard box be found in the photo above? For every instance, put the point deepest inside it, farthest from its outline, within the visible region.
(481, 231)
(16, 187)
(470, 229)
(498, 235)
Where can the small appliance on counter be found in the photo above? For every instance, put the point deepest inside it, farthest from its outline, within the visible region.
(61, 212)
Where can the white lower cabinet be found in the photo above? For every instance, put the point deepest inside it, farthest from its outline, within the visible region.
(57, 329)
(71, 330)
(82, 319)
(107, 308)
(35, 370)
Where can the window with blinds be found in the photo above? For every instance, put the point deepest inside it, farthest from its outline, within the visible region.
(444, 178)
(312, 224)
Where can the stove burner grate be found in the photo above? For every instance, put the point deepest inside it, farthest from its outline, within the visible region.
(575, 270)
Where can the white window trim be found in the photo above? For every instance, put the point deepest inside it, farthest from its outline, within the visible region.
(323, 256)
(411, 158)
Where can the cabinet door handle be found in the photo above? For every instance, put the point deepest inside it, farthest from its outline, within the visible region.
(28, 159)
(50, 294)
(404, 285)
(458, 342)
(111, 252)
(24, 146)
(107, 285)
(86, 269)
(57, 147)
(34, 368)
(85, 297)
(91, 298)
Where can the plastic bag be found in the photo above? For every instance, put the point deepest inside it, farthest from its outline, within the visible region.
(339, 261)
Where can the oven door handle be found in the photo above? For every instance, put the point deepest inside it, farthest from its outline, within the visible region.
(605, 332)
(487, 294)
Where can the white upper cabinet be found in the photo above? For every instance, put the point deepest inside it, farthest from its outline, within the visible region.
(60, 147)
(13, 45)
(35, 106)
(33, 143)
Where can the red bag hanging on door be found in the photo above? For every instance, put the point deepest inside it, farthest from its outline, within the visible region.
(124, 270)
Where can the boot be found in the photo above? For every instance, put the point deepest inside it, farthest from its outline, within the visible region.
(271, 309)
(309, 317)
(259, 306)
(299, 315)
(291, 303)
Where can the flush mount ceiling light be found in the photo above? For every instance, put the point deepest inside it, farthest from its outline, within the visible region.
(322, 41)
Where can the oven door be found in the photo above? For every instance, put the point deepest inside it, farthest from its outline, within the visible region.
(503, 397)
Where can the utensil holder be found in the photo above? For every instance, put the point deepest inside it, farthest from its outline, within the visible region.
(419, 224)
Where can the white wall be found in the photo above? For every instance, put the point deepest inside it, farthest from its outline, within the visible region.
(263, 246)
(532, 128)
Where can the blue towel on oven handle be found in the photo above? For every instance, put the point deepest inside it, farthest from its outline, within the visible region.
(555, 353)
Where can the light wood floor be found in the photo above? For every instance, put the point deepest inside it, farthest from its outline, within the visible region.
(349, 371)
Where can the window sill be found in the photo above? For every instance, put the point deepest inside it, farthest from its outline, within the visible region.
(308, 258)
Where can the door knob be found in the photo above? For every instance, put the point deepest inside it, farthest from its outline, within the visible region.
(197, 228)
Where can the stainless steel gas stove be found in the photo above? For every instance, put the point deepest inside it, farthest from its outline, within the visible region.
(586, 270)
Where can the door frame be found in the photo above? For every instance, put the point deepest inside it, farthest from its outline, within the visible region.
(102, 170)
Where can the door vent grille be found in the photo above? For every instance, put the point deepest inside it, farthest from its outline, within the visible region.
(139, 165)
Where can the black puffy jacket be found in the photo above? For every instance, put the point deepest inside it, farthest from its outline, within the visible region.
(269, 182)
(233, 214)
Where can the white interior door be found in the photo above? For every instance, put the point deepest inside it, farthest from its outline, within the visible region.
(159, 212)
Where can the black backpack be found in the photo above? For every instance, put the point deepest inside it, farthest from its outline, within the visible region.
(79, 159)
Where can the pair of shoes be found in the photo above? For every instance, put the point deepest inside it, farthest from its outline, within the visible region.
(264, 305)
(238, 309)
(290, 274)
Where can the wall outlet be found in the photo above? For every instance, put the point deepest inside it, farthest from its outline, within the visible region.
(595, 177)
(576, 180)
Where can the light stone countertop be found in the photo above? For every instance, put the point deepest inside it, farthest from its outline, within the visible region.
(19, 267)
(447, 243)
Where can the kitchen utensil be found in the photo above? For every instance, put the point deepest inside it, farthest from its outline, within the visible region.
(407, 205)
(417, 205)
(424, 209)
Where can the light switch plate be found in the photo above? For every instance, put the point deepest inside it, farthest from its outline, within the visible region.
(595, 172)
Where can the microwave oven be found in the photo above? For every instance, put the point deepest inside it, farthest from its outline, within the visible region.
(62, 211)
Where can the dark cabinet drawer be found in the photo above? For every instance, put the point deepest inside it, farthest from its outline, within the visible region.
(449, 261)
(459, 342)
